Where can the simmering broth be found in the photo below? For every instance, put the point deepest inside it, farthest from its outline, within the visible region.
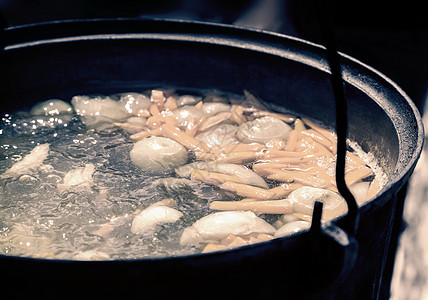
(165, 173)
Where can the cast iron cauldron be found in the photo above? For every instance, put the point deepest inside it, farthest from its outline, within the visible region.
(62, 59)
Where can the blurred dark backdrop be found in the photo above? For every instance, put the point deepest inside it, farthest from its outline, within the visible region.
(389, 36)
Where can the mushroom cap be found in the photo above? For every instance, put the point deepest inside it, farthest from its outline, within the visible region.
(158, 154)
(218, 226)
(262, 130)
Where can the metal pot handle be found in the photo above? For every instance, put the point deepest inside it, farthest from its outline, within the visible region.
(334, 251)
(332, 240)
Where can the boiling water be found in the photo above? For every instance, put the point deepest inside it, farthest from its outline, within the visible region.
(39, 219)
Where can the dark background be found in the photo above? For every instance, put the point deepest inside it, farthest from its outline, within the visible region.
(391, 36)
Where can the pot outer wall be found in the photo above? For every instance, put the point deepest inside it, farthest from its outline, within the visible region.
(282, 71)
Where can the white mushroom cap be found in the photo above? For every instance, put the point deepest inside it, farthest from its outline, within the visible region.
(218, 226)
(158, 154)
(29, 163)
(79, 177)
(213, 108)
(187, 100)
(51, 107)
(134, 103)
(221, 135)
(262, 130)
(186, 114)
(303, 200)
(98, 112)
(147, 220)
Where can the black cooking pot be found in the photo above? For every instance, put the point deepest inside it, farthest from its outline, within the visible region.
(62, 59)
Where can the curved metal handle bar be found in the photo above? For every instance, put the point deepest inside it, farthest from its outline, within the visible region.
(352, 218)
(342, 240)
(332, 249)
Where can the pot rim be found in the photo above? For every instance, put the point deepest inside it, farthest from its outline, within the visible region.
(250, 39)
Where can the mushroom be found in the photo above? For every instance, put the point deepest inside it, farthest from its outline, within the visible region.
(187, 114)
(79, 177)
(220, 135)
(134, 103)
(262, 130)
(303, 200)
(217, 226)
(244, 173)
(213, 108)
(29, 163)
(145, 222)
(51, 107)
(158, 154)
(99, 112)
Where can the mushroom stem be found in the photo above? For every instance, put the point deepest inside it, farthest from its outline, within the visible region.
(279, 153)
(214, 120)
(249, 191)
(330, 135)
(145, 133)
(238, 148)
(186, 140)
(264, 207)
(170, 104)
(154, 109)
(318, 138)
(214, 177)
(233, 157)
(283, 117)
(237, 114)
(193, 126)
(299, 177)
(358, 174)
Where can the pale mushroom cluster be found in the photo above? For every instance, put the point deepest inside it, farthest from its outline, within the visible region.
(274, 163)
(271, 163)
